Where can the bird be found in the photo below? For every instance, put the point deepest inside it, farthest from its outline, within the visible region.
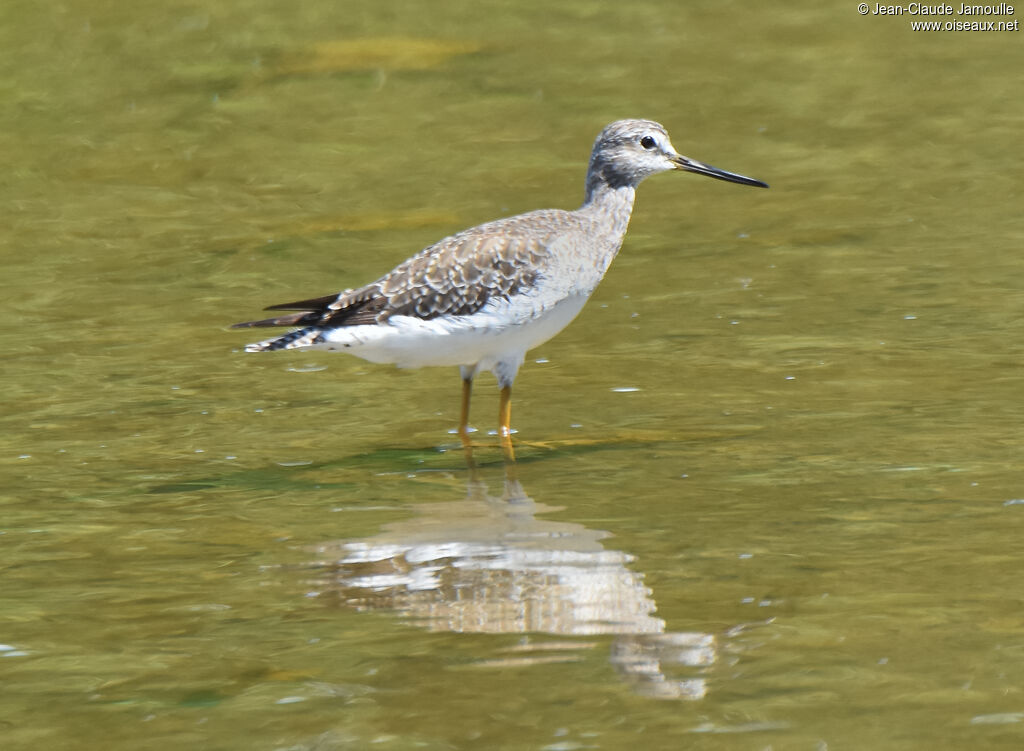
(481, 298)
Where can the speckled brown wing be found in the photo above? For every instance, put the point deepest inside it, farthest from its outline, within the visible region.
(456, 276)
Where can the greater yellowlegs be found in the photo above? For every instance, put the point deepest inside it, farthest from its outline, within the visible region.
(481, 298)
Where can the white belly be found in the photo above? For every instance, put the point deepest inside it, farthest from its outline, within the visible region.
(499, 332)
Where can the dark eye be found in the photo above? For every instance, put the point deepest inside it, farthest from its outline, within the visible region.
(648, 143)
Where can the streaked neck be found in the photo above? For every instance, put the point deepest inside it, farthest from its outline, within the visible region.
(610, 206)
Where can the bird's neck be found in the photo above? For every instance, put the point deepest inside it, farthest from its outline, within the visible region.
(609, 206)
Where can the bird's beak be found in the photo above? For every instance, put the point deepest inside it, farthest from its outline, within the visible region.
(692, 165)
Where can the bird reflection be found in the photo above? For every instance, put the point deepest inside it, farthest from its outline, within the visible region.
(487, 564)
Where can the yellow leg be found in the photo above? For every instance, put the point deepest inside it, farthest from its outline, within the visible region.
(505, 421)
(505, 413)
(467, 392)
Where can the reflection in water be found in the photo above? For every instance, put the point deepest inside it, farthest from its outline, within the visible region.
(486, 564)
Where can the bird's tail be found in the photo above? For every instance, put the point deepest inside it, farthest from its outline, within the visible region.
(304, 337)
(299, 339)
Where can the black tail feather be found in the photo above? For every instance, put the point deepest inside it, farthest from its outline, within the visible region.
(295, 319)
(317, 303)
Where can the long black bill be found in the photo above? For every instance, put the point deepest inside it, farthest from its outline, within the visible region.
(692, 165)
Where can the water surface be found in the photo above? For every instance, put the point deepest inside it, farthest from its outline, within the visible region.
(769, 486)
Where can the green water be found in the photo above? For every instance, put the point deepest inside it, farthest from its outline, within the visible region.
(769, 490)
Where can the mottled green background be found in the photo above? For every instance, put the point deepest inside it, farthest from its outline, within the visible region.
(787, 428)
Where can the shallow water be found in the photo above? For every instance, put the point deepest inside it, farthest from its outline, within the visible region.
(769, 488)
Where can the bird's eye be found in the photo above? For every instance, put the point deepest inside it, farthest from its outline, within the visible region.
(648, 143)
